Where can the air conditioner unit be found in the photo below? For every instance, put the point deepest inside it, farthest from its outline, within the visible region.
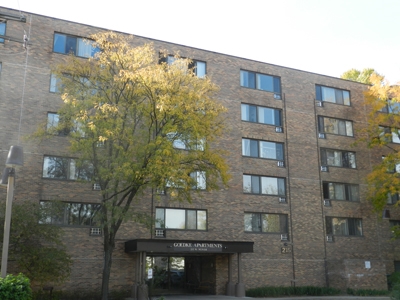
(319, 103)
(329, 238)
(284, 237)
(96, 187)
(277, 96)
(278, 129)
(281, 164)
(327, 202)
(95, 231)
(282, 200)
(324, 168)
(160, 233)
(321, 135)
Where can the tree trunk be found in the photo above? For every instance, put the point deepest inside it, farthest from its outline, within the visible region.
(108, 250)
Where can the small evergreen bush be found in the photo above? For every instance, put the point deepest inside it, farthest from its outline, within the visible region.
(15, 287)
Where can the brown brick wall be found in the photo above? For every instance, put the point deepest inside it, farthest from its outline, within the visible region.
(313, 260)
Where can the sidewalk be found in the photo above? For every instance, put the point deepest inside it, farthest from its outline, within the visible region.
(220, 297)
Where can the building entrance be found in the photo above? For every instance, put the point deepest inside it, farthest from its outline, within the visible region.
(181, 275)
(188, 266)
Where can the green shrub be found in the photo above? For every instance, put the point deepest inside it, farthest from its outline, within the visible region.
(393, 279)
(15, 287)
(395, 292)
(79, 295)
(366, 292)
(273, 291)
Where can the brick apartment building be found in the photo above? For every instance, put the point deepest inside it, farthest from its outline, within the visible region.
(295, 211)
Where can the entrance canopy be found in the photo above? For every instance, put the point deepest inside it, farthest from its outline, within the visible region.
(187, 246)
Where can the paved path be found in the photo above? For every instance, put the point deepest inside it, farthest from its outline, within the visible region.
(214, 297)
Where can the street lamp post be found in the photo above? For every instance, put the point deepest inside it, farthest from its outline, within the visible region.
(15, 158)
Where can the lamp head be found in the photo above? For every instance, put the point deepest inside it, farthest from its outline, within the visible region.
(15, 157)
(4, 177)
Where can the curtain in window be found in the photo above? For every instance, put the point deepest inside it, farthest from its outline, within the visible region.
(269, 185)
(353, 192)
(200, 179)
(200, 69)
(349, 160)
(268, 150)
(255, 184)
(201, 220)
(84, 48)
(191, 219)
(266, 115)
(328, 94)
(271, 223)
(339, 96)
(346, 97)
(265, 83)
(248, 79)
(333, 158)
(355, 226)
(349, 128)
(395, 136)
(339, 192)
(252, 222)
(341, 127)
(160, 220)
(340, 226)
(59, 43)
(246, 184)
(175, 218)
(250, 147)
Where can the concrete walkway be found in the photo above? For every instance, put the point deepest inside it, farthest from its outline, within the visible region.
(220, 297)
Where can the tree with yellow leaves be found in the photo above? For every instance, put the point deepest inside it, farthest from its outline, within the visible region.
(140, 124)
(383, 132)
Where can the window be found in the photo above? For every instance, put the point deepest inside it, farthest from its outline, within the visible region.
(178, 218)
(392, 198)
(338, 158)
(271, 223)
(69, 213)
(198, 67)
(393, 223)
(335, 126)
(392, 167)
(198, 178)
(55, 83)
(54, 122)
(333, 95)
(253, 184)
(343, 226)
(391, 107)
(340, 191)
(2, 30)
(260, 81)
(86, 87)
(67, 44)
(390, 135)
(66, 168)
(263, 115)
(262, 149)
(178, 142)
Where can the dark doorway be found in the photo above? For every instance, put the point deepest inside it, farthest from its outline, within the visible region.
(181, 275)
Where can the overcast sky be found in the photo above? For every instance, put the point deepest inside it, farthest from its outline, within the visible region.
(322, 36)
